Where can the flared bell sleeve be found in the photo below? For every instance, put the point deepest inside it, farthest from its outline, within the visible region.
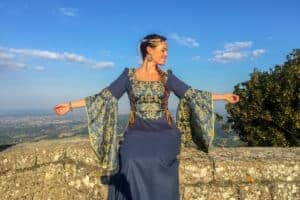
(194, 114)
(102, 118)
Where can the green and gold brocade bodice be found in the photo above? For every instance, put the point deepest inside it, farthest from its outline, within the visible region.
(148, 99)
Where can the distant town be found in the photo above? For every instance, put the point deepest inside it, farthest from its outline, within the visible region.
(25, 126)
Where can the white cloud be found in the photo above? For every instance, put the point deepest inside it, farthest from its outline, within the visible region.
(98, 65)
(195, 58)
(39, 68)
(234, 46)
(4, 55)
(36, 53)
(227, 56)
(7, 61)
(73, 57)
(185, 41)
(70, 12)
(258, 52)
(11, 64)
(236, 51)
(50, 55)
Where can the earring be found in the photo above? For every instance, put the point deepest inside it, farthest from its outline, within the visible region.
(149, 58)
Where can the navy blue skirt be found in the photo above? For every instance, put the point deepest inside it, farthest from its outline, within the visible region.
(148, 163)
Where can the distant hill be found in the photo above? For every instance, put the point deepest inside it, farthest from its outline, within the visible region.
(19, 127)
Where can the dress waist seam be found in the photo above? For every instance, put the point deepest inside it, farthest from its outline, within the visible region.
(165, 110)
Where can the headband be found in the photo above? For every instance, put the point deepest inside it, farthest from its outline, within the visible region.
(154, 40)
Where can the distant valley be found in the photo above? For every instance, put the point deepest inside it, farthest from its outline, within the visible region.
(17, 127)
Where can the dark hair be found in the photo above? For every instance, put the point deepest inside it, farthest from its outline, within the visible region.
(150, 40)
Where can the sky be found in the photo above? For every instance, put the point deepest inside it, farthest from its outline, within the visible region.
(53, 52)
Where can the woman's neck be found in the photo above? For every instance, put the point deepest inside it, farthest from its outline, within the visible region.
(149, 68)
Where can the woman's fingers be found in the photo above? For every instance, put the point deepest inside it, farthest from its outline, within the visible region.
(232, 98)
(59, 106)
(235, 98)
(60, 109)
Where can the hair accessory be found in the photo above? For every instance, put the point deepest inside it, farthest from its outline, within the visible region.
(153, 40)
(70, 106)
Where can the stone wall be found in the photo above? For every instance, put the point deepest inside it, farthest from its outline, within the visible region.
(67, 169)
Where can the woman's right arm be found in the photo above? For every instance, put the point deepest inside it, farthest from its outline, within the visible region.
(117, 89)
(63, 108)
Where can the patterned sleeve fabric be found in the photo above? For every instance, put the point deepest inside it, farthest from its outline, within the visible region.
(102, 117)
(176, 85)
(195, 119)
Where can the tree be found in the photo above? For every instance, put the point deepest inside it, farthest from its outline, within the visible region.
(268, 113)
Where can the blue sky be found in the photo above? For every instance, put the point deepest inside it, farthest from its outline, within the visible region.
(55, 51)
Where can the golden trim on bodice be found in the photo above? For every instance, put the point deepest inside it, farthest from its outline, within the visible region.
(148, 99)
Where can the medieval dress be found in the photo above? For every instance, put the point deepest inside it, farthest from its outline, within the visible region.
(141, 161)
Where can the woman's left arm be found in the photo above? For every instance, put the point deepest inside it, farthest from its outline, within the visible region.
(229, 97)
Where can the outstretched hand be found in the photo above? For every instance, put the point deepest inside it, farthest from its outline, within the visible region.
(232, 98)
(61, 109)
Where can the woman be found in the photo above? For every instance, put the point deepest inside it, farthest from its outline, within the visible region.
(142, 161)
